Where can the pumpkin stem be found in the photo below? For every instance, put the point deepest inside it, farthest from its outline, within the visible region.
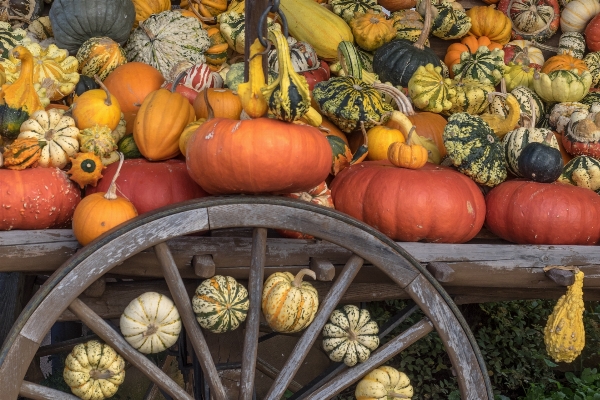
(147, 32)
(548, 138)
(420, 43)
(410, 133)
(111, 193)
(364, 148)
(531, 123)
(108, 102)
(177, 80)
(97, 374)
(545, 47)
(396, 94)
(211, 112)
(297, 282)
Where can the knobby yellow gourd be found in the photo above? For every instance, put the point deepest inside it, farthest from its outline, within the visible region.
(253, 101)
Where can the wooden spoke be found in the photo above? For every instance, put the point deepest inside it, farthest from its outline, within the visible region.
(39, 392)
(193, 331)
(272, 372)
(114, 339)
(378, 357)
(255, 287)
(314, 329)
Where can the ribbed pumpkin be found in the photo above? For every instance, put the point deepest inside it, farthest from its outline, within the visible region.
(50, 195)
(100, 212)
(562, 85)
(220, 304)
(563, 62)
(288, 303)
(100, 56)
(130, 84)
(489, 22)
(468, 96)
(526, 212)
(145, 8)
(582, 171)
(532, 19)
(159, 122)
(384, 383)
(350, 335)
(150, 323)
(576, 15)
(151, 185)
(11, 37)
(362, 190)
(94, 370)
(260, 155)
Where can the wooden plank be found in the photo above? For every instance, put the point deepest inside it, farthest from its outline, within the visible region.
(184, 306)
(9, 238)
(310, 334)
(441, 271)
(13, 369)
(255, 288)
(38, 392)
(204, 265)
(377, 358)
(117, 342)
(324, 269)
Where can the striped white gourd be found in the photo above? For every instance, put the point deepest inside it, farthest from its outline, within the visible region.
(220, 304)
(576, 15)
(151, 323)
(350, 335)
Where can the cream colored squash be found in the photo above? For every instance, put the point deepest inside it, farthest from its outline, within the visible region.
(151, 323)
(384, 383)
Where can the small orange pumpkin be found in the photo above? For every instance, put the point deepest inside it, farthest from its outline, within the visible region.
(468, 43)
(224, 102)
(564, 62)
(96, 107)
(408, 155)
(100, 212)
(160, 122)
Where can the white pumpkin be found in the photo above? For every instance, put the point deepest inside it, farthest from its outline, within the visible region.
(151, 323)
(94, 371)
(57, 131)
(384, 383)
(576, 15)
(350, 335)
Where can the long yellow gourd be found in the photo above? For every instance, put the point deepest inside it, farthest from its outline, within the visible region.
(312, 23)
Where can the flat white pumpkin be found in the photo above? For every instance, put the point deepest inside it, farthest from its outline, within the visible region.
(350, 335)
(151, 323)
(58, 134)
(384, 383)
(94, 371)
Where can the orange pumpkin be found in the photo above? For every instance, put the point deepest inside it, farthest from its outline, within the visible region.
(224, 102)
(100, 212)
(468, 43)
(407, 155)
(96, 107)
(159, 123)
(333, 129)
(563, 62)
(487, 21)
(130, 83)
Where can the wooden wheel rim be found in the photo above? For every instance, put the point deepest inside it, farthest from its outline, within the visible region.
(81, 270)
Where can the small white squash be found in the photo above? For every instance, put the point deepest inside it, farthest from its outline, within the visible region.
(350, 335)
(56, 132)
(384, 383)
(94, 371)
(151, 323)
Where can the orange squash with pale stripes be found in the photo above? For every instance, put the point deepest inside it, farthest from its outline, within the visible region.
(288, 303)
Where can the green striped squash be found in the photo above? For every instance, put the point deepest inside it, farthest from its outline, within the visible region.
(128, 147)
(10, 38)
(100, 56)
(515, 141)
(167, 38)
(522, 94)
(572, 43)
(220, 304)
(449, 22)
(582, 171)
(350, 335)
(429, 90)
(592, 61)
(408, 24)
(366, 58)
(474, 149)
(347, 8)
(591, 98)
(347, 101)
(470, 96)
(485, 66)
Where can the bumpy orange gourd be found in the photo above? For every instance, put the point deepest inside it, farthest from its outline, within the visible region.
(159, 123)
(468, 43)
(22, 153)
(100, 212)
(564, 62)
(96, 107)
(487, 21)
(407, 155)
(224, 102)
(372, 30)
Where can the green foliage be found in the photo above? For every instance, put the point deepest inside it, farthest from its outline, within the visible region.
(585, 387)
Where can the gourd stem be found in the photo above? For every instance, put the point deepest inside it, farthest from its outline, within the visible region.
(410, 133)
(211, 113)
(548, 138)
(396, 94)
(97, 374)
(503, 86)
(108, 101)
(364, 148)
(420, 43)
(111, 193)
(297, 282)
(177, 80)
(545, 47)
(147, 32)
(531, 123)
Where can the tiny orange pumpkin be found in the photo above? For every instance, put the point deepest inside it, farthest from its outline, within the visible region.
(408, 155)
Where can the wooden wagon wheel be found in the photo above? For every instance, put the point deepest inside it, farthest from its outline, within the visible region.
(61, 291)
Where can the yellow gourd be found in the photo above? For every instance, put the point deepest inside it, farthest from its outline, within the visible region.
(253, 101)
(564, 333)
(499, 124)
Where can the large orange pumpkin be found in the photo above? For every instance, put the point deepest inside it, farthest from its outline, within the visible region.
(130, 83)
(261, 155)
(468, 43)
(528, 212)
(36, 198)
(224, 102)
(433, 203)
(159, 123)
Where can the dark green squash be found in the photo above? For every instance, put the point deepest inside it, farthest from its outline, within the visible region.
(347, 102)
(582, 171)
(540, 162)
(591, 98)
(75, 21)
(397, 61)
(128, 147)
(474, 149)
